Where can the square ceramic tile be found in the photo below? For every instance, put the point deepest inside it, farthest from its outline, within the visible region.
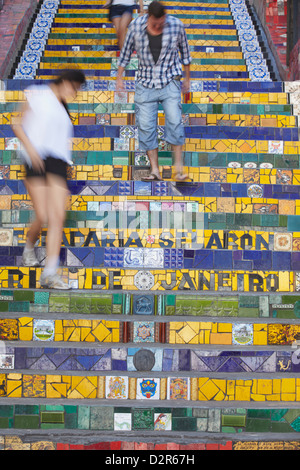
(162, 422)
(122, 421)
(143, 305)
(178, 388)
(148, 389)
(144, 332)
(283, 241)
(7, 361)
(275, 147)
(43, 330)
(242, 333)
(133, 257)
(116, 387)
(153, 258)
(6, 237)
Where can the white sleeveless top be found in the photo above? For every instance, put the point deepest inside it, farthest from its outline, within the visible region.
(126, 3)
(47, 125)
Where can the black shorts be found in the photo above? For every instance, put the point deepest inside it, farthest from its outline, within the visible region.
(55, 166)
(119, 10)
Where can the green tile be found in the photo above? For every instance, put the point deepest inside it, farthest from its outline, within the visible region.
(24, 295)
(143, 419)
(52, 417)
(6, 411)
(52, 426)
(26, 422)
(59, 303)
(71, 421)
(4, 306)
(258, 425)
(19, 306)
(234, 420)
(101, 304)
(184, 424)
(4, 423)
(102, 418)
(27, 409)
(80, 303)
(83, 417)
(41, 297)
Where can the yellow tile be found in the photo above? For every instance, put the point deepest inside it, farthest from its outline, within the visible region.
(264, 386)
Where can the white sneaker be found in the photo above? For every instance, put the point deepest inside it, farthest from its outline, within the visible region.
(53, 281)
(29, 258)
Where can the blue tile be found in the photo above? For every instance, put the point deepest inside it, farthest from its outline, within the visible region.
(222, 259)
(281, 261)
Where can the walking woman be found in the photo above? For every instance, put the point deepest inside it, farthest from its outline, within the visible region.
(45, 131)
(120, 14)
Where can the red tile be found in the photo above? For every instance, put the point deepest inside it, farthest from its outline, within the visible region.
(140, 446)
(127, 445)
(227, 446)
(98, 446)
(116, 445)
(212, 446)
(173, 446)
(61, 446)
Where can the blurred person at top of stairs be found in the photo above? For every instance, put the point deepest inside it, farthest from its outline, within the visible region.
(120, 14)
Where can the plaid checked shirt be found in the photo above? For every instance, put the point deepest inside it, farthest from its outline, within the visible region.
(169, 65)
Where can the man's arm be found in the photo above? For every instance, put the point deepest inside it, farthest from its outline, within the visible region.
(125, 55)
(186, 80)
(141, 7)
(186, 58)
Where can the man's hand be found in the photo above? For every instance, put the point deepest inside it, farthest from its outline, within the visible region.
(185, 86)
(119, 84)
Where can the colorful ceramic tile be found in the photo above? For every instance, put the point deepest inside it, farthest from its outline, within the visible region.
(148, 389)
(178, 388)
(116, 387)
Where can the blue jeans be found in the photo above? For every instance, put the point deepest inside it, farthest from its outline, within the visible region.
(146, 109)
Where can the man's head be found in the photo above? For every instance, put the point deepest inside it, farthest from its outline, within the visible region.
(156, 16)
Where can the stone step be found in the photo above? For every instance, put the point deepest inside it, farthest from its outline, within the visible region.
(90, 419)
(160, 258)
(82, 116)
(198, 85)
(122, 164)
(210, 306)
(147, 361)
(209, 221)
(178, 238)
(192, 389)
(139, 330)
(192, 132)
(151, 279)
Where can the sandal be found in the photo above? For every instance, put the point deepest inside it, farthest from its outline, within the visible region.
(152, 177)
(181, 177)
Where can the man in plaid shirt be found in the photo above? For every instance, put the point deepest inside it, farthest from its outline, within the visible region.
(157, 39)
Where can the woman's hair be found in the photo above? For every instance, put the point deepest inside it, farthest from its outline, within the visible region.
(156, 9)
(73, 76)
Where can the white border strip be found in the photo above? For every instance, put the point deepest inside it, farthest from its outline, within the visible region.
(256, 64)
(37, 41)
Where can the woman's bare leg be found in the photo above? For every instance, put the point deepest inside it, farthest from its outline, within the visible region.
(116, 22)
(57, 193)
(124, 22)
(36, 188)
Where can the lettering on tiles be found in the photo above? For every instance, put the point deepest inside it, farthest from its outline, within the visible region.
(165, 238)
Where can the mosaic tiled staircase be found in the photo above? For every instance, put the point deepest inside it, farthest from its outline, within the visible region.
(192, 286)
